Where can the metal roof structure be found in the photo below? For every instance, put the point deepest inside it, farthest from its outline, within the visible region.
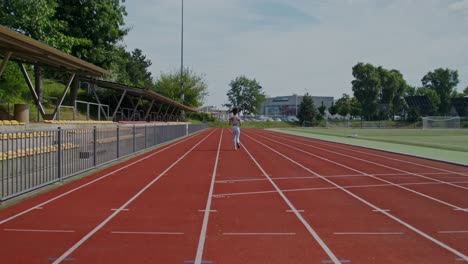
(18, 47)
(144, 93)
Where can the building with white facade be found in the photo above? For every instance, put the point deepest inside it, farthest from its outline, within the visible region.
(282, 106)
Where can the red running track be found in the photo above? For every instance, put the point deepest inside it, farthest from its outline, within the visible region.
(279, 199)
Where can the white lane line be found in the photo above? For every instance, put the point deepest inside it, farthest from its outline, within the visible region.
(233, 180)
(394, 168)
(366, 174)
(259, 234)
(91, 182)
(38, 208)
(335, 188)
(381, 210)
(461, 209)
(419, 232)
(116, 209)
(314, 234)
(211, 211)
(125, 205)
(453, 232)
(368, 233)
(39, 231)
(376, 155)
(146, 233)
(292, 211)
(206, 216)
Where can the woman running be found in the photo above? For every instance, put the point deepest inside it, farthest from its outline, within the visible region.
(235, 122)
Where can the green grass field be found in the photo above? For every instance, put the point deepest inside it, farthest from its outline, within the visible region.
(448, 139)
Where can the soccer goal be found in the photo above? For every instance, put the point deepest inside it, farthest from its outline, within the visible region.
(441, 122)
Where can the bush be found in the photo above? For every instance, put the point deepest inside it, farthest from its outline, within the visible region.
(200, 116)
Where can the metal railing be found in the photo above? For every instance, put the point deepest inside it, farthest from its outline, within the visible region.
(31, 160)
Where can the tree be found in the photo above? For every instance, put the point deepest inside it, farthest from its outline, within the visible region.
(132, 69)
(245, 94)
(343, 105)
(356, 108)
(322, 109)
(433, 97)
(36, 19)
(100, 23)
(307, 111)
(391, 81)
(398, 102)
(443, 82)
(465, 92)
(366, 88)
(333, 110)
(194, 89)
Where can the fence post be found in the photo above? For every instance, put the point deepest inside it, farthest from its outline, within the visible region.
(134, 139)
(146, 138)
(118, 141)
(94, 145)
(59, 153)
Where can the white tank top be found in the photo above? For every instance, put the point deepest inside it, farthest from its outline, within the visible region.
(235, 120)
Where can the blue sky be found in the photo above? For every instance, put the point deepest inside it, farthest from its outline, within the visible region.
(298, 46)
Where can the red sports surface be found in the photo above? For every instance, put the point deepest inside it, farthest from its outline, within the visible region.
(278, 199)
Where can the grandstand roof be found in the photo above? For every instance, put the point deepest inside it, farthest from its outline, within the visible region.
(461, 105)
(420, 102)
(147, 94)
(24, 49)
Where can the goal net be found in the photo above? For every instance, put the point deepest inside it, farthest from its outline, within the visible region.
(441, 122)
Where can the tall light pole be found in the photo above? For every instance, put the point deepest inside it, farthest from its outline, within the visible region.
(182, 54)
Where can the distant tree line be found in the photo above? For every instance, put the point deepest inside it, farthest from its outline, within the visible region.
(378, 94)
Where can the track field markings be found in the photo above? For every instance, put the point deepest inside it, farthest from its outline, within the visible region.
(369, 233)
(366, 174)
(402, 222)
(125, 205)
(306, 224)
(211, 211)
(202, 262)
(336, 145)
(66, 259)
(123, 209)
(339, 261)
(292, 211)
(381, 210)
(453, 232)
(259, 234)
(39, 231)
(206, 216)
(375, 163)
(146, 233)
(333, 188)
(93, 181)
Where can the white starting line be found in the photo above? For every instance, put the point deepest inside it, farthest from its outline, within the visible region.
(368, 233)
(454, 232)
(39, 231)
(146, 233)
(259, 234)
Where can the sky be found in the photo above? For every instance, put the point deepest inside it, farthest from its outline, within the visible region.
(299, 46)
